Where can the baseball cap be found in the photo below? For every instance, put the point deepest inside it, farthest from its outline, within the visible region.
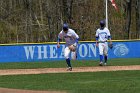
(65, 26)
(102, 23)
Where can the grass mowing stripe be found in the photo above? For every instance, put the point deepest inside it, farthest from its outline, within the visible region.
(97, 82)
(59, 64)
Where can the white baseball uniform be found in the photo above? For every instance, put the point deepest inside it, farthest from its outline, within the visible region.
(103, 35)
(70, 38)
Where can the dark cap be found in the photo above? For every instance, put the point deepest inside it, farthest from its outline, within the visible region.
(102, 23)
(65, 26)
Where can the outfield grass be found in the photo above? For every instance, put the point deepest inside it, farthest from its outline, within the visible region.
(97, 82)
(59, 64)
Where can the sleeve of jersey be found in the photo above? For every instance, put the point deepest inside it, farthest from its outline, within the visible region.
(60, 36)
(75, 36)
(108, 34)
(97, 35)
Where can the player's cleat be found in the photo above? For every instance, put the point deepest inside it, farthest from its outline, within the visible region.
(105, 64)
(101, 64)
(69, 69)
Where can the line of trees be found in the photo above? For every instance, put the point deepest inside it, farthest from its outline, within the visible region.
(41, 20)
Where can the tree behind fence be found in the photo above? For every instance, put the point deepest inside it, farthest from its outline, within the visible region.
(41, 20)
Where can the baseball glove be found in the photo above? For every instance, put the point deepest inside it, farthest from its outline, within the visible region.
(72, 48)
(110, 46)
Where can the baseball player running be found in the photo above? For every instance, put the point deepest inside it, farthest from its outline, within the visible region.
(102, 35)
(71, 39)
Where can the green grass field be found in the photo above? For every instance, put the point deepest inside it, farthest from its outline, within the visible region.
(97, 82)
(59, 64)
(91, 82)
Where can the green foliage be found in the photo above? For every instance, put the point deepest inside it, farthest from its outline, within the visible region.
(41, 20)
(7, 33)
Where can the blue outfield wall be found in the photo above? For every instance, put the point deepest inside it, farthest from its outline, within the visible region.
(49, 52)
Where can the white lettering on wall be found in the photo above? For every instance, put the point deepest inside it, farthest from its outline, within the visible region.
(83, 52)
(42, 52)
(53, 53)
(93, 49)
(62, 52)
(29, 51)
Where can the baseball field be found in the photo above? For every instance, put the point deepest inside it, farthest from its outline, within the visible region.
(119, 76)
